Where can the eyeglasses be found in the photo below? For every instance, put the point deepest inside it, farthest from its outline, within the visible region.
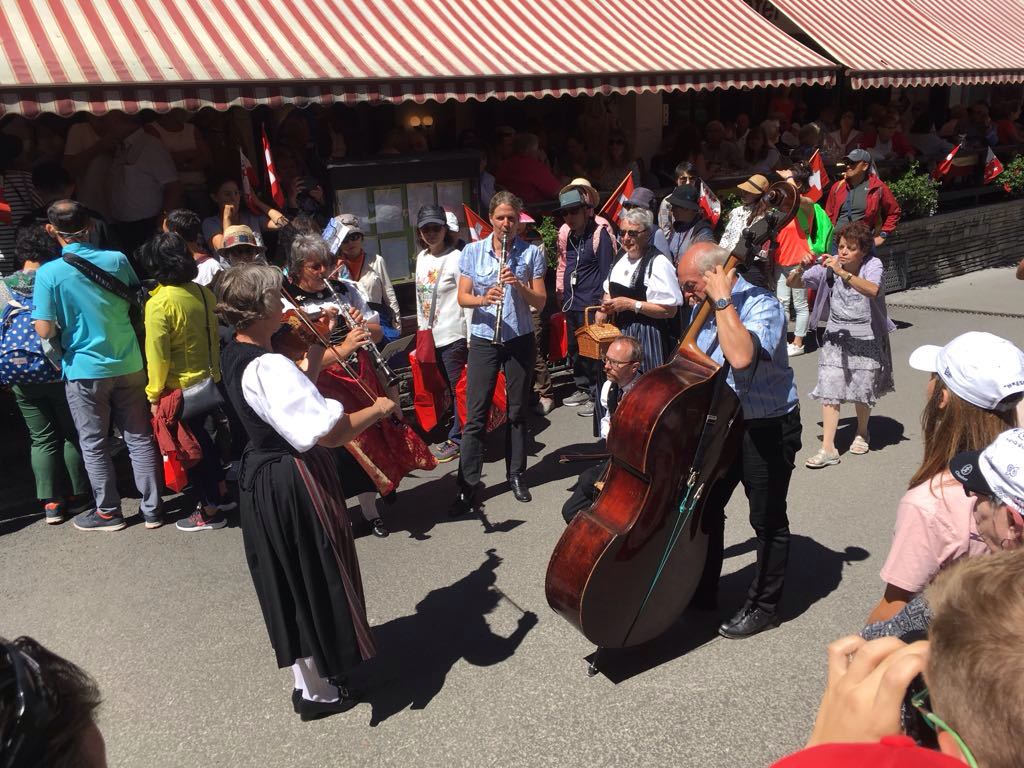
(689, 286)
(353, 237)
(616, 363)
(633, 233)
(936, 723)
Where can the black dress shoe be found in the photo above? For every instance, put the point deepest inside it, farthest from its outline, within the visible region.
(314, 710)
(379, 529)
(296, 698)
(747, 623)
(519, 489)
(463, 503)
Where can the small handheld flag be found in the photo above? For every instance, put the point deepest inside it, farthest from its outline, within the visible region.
(710, 204)
(943, 168)
(478, 228)
(993, 167)
(819, 177)
(275, 185)
(613, 206)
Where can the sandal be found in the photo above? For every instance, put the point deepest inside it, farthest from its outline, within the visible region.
(859, 446)
(823, 458)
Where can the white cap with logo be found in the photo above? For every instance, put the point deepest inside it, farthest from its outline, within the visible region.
(999, 469)
(981, 368)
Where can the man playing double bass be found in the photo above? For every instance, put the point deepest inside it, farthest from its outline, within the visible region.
(747, 331)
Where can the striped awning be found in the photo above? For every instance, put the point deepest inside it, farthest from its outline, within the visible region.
(66, 56)
(917, 42)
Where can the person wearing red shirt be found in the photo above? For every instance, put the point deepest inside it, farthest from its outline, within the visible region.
(525, 175)
(888, 143)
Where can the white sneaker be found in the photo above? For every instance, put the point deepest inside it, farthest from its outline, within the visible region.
(795, 350)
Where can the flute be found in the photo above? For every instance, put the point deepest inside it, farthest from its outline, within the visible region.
(500, 306)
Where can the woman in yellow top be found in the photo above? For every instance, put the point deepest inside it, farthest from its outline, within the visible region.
(182, 348)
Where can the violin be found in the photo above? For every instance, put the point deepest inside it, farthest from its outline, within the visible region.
(298, 332)
(624, 570)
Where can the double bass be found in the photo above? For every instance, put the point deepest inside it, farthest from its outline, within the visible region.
(625, 569)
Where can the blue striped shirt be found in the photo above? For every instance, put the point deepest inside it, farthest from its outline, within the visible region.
(479, 263)
(767, 388)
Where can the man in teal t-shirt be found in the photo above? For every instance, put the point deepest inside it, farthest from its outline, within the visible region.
(102, 364)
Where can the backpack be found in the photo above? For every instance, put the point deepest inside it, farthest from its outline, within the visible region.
(22, 360)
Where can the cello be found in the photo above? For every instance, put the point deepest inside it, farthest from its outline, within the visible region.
(625, 569)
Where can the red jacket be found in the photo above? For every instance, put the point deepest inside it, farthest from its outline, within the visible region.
(881, 211)
(528, 178)
(172, 436)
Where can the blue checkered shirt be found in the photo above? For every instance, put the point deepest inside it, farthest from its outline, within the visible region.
(479, 262)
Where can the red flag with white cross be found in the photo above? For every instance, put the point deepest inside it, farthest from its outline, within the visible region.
(275, 185)
(249, 182)
(478, 228)
(819, 177)
(710, 204)
(943, 168)
(993, 167)
(613, 206)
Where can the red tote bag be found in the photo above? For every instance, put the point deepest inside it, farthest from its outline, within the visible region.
(499, 405)
(430, 396)
(558, 339)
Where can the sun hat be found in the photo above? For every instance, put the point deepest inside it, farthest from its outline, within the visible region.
(686, 197)
(592, 197)
(755, 185)
(240, 235)
(979, 367)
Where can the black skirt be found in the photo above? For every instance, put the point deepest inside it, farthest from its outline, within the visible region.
(302, 558)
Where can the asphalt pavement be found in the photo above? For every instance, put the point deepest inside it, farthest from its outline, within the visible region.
(475, 669)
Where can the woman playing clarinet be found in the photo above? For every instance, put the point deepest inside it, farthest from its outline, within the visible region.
(297, 538)
(501, 278)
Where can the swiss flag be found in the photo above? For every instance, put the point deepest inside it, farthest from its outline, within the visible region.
(710, 204)
(249, 182)
(943, 168)
(478, 228)
(819, 178)
(275, 186)
(992, 166)
(613, 206)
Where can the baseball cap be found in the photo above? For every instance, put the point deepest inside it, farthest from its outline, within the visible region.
(642, 197)
(890, 752)
(239, 235)
(858, 156)
(431, 214)
(755, 185)
(685, 197)
(979, 367)
(997, 470)
(452, 221)
(351, 221)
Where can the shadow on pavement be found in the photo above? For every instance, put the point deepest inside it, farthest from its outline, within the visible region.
(416, 652)
(814, 572)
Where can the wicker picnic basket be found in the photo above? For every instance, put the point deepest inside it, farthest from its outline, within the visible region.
(593, 339)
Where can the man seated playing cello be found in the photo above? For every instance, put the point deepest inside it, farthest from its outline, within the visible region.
(622, 368)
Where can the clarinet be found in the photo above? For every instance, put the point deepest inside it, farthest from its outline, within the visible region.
(379, 362)
(500, 306)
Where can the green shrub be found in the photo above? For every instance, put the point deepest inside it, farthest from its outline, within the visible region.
(549, 233)
(1012, 177)
(917, 193)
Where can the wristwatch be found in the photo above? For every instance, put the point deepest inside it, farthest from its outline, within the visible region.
(638, 306)
(722, 304)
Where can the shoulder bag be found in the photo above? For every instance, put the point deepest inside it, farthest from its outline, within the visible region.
(203, 396)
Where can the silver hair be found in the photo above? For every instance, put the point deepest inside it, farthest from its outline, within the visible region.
(641, 216)
(243, 292)
(306, 247)
(710, 257)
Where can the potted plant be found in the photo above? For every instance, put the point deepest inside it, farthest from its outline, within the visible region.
(917, 193)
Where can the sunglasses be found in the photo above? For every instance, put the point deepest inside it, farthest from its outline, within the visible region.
(353, 238)
(632, 233)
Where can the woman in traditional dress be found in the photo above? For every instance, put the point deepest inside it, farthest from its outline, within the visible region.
(855, 360)
(297, 538)
(642, 289)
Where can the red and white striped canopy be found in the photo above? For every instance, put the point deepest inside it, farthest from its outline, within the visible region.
(64, 56)
(917, 42)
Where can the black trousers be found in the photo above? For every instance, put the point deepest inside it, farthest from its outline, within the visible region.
(516, 358)
(585, 371)
(764, 467)
(584, 494)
